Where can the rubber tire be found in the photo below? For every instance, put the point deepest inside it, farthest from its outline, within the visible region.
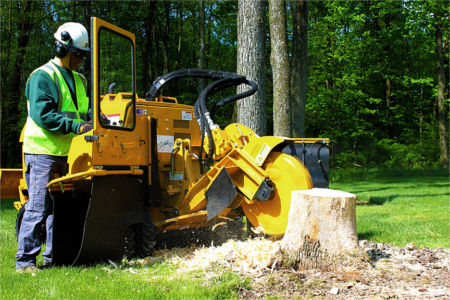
(146, 241)
(140, 239)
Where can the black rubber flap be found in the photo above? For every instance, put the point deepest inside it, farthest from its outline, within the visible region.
(116, 204)
(220, 194)
(69, 214)
(315, 157)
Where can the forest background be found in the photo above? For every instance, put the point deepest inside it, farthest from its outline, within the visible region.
(377, 71)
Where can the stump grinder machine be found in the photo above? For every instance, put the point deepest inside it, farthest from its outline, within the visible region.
(152, 165)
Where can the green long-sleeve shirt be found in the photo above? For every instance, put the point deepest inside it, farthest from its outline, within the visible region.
(42, 94)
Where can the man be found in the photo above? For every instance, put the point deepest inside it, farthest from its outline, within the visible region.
(57, 111)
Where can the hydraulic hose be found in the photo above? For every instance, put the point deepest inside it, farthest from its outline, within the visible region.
(193, 73)
(223, 80)
(201, 112)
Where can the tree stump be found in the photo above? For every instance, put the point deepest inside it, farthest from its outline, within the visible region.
(321, 226)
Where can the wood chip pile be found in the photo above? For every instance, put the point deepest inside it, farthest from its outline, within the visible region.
(249, 257)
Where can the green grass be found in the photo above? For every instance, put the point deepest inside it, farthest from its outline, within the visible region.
(398, 206)
(157, 281)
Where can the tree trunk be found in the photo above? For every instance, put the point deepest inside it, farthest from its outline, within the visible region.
(11, 150)
(180, 33)
(442, 108)
(165, 47)
(201, 44)
(391, 133)
(299, 67)
(321, 226)
(148, 49)
(279, 59)
(251, 111)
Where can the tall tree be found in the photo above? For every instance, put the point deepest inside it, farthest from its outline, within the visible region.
(201, 44)
(299, 66)
(250, 62)
(25, 14)
(165, 41)
(180, 32)
(280, 69)
(148, 47)
(442, 108)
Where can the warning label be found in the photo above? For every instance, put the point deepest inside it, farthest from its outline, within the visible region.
(186, 115)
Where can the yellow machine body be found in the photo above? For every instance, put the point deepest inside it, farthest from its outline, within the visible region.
(145, 157)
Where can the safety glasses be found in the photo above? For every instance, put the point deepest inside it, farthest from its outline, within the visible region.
(79, 53)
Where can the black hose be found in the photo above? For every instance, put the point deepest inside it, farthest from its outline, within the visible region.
(222, 81)
(195, 73)
(211, 89)
(235, 97)
(319, 161)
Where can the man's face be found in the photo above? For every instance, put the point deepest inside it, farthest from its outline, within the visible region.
(77, 58)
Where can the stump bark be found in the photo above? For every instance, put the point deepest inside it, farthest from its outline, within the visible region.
(321, 227)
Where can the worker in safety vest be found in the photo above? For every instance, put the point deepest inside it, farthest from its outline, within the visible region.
(57, 111)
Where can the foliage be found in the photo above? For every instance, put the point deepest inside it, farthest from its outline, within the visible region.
(372, 81)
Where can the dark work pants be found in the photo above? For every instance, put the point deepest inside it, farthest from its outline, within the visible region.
(39, 209)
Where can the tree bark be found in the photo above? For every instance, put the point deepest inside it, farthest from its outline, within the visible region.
(251, 111)
(11, 151)
(442, 109)
(148, 49)
(299, 67)
(201, 44)
(391, 133)
(165, 47)
(279, 58)
(180, 33)
(321, 226)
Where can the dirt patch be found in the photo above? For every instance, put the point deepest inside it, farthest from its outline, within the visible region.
(389, 272)
(381, 271)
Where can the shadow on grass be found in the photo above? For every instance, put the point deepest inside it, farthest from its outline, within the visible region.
(7, 204)
(369, 190)
(365, 235)
(379, 200)
(376, 201)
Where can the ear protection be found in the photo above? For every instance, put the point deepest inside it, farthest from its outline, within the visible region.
(61, 48)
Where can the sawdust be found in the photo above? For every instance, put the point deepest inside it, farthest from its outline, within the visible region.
(250, 257)
(382, 271)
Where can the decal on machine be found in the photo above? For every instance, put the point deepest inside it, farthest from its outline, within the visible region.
(165, 143)
(186, 115)
(141, 112)
(114, 119)
(263, 152)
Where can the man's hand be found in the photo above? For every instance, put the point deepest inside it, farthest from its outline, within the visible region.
(85, 127)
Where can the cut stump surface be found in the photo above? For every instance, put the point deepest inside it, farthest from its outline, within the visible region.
(321, 226)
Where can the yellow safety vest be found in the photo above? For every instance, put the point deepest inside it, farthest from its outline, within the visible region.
(38, 140)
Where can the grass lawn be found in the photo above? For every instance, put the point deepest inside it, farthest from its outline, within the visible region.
(397, 207)
(158, 281)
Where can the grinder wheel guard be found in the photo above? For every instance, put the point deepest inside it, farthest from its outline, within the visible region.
(287, 174)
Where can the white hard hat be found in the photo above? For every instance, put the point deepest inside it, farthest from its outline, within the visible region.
(77, 36)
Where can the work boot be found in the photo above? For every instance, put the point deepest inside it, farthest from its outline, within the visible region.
(45, 266)
(28, 269)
